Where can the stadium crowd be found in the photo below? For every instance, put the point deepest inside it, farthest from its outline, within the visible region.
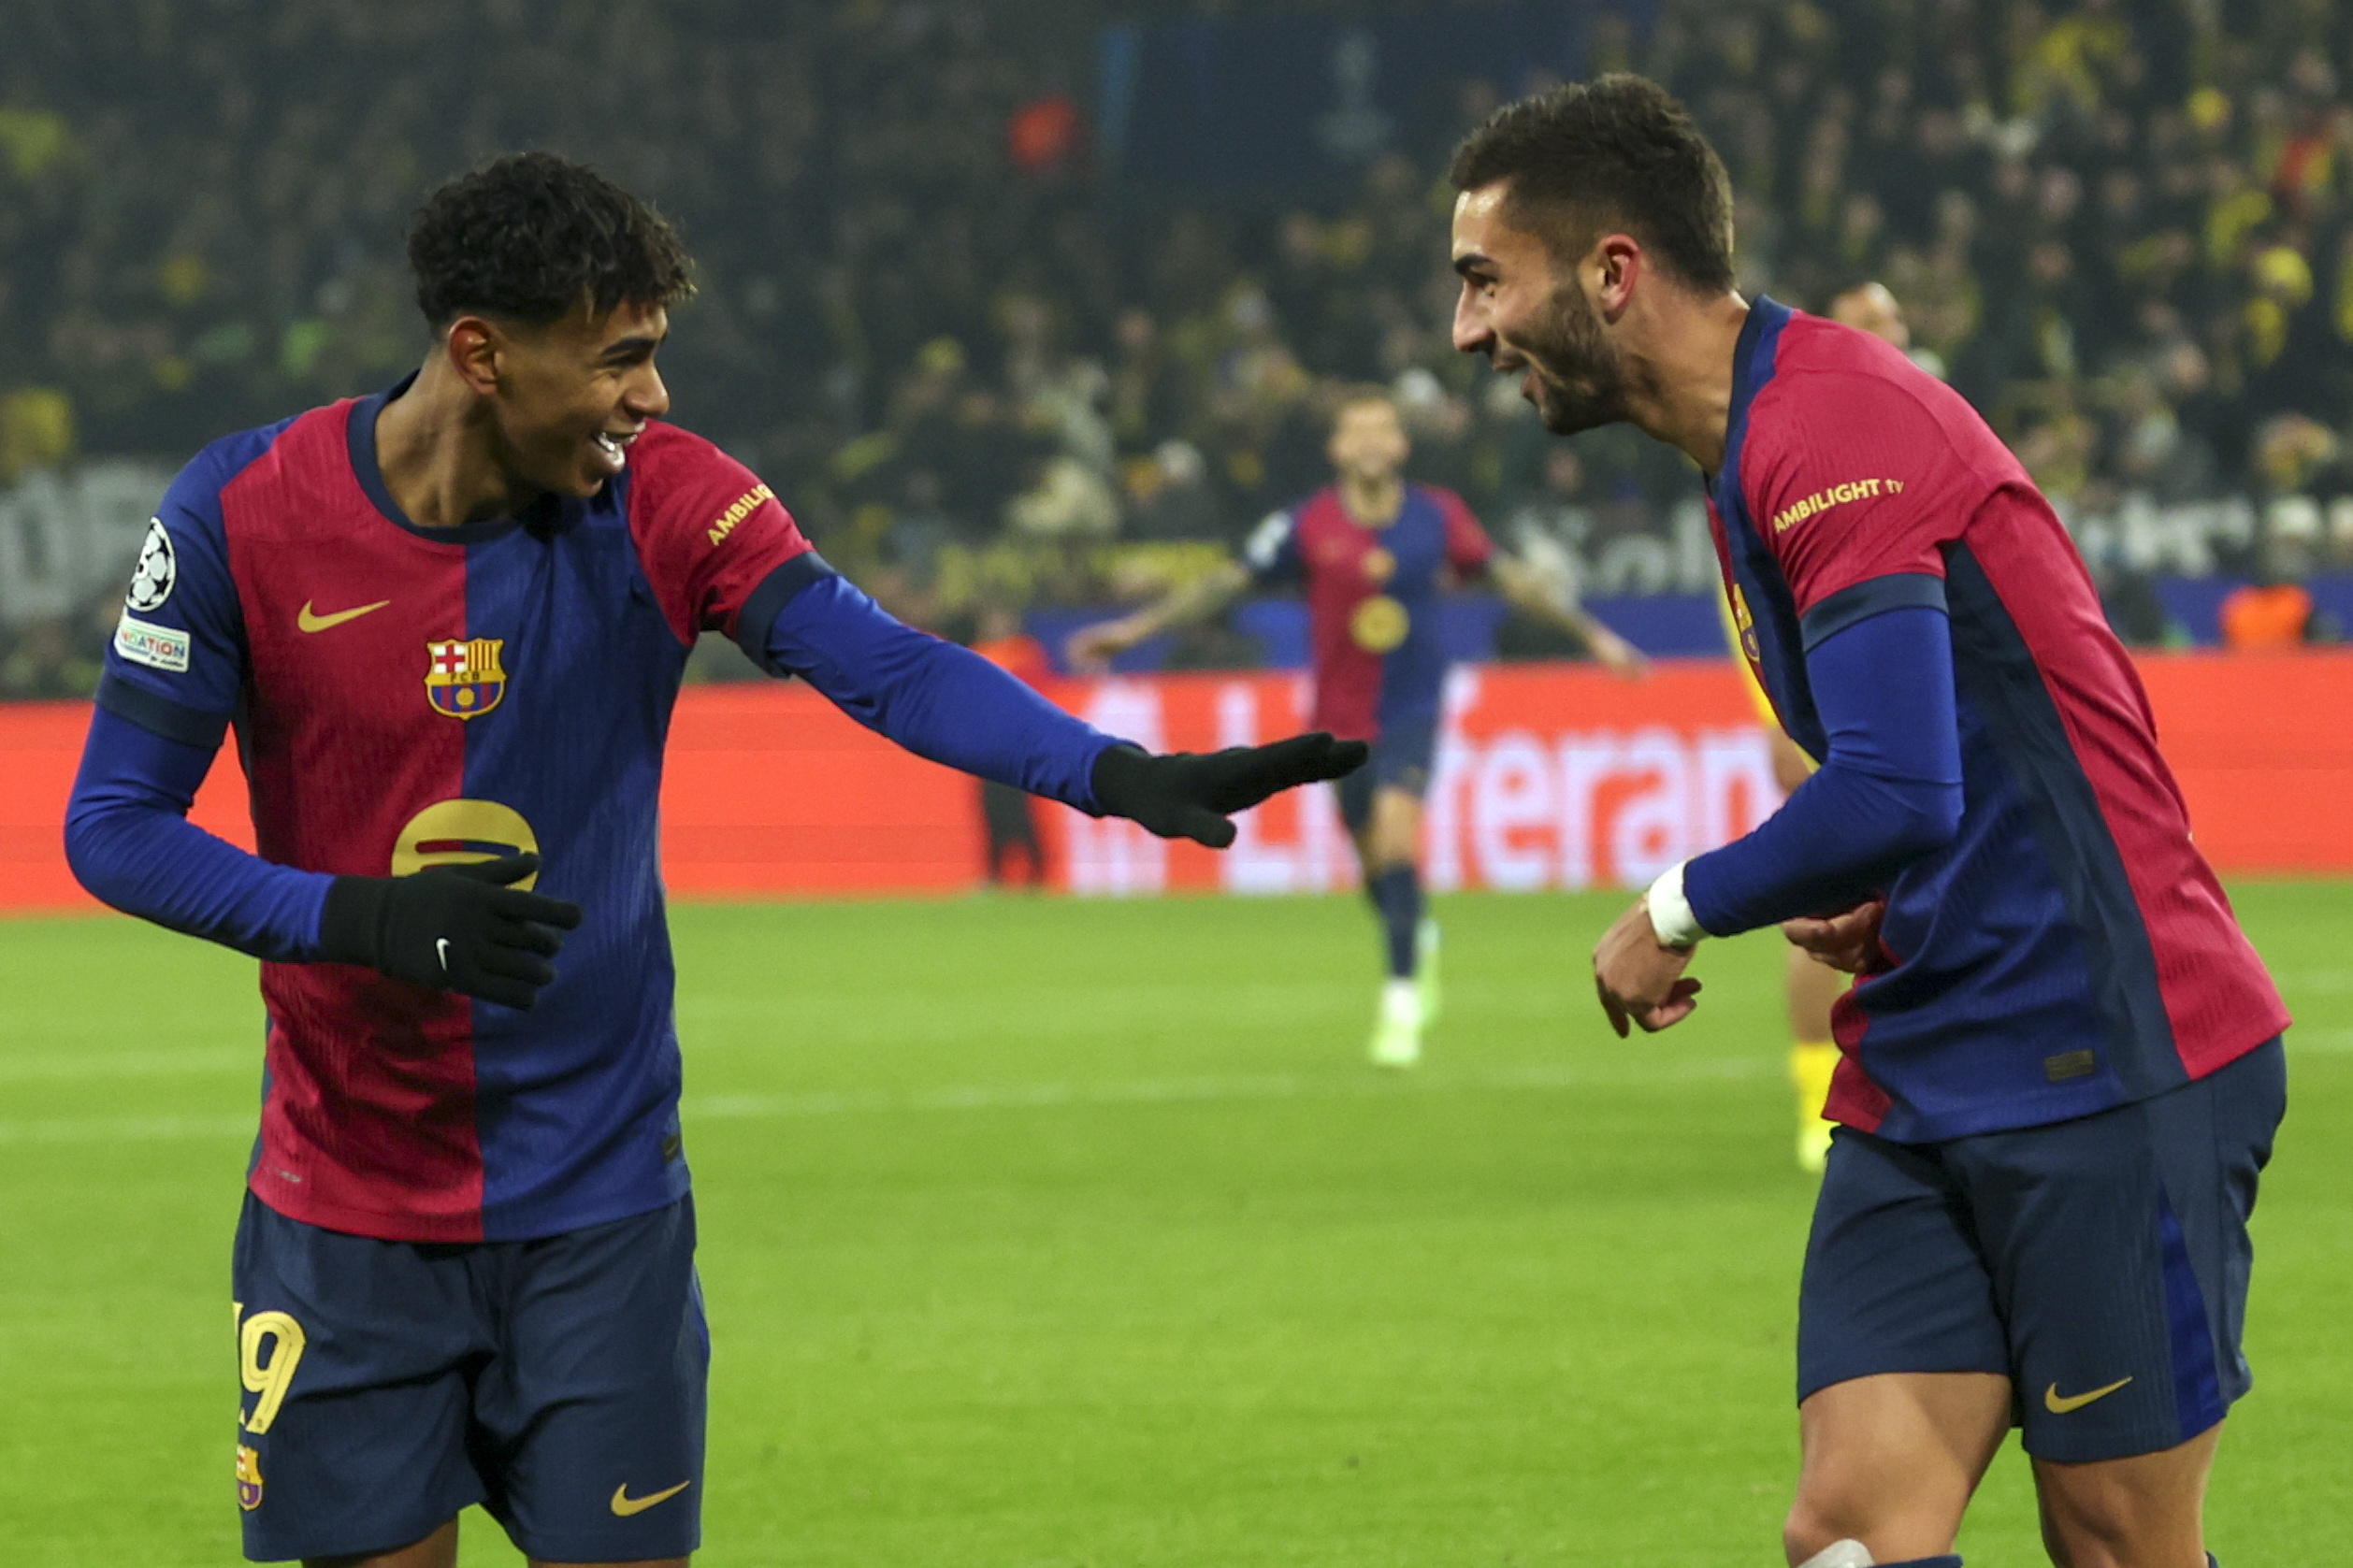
(989, 372)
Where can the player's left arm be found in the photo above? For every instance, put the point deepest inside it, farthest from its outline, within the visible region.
(953, 706)
(1868, 581)
(1473, 554)
(748, 571)
(1550, 601)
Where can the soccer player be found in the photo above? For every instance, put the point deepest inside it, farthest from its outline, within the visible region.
(448, 622)
(1374, 552)
(2062, 1066)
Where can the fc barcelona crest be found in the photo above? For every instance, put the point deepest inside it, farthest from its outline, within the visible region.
(1746, 625)
(464, 679)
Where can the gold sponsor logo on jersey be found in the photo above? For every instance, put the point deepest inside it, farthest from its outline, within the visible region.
(1837, 494)
(309, 619)
(1378, 624)
(463, 676)
(745, 504)
(462, 832)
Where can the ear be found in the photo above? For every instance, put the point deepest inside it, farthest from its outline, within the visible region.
(1615, 265)
(475, 348)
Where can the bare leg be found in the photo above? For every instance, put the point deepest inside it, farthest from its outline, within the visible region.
(2143, 1512)
(1811, 988)
(440, 1550)
(1892, 1460)
(1393, 835)
(437, 1550)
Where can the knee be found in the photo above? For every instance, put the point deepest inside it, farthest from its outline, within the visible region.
(1395, 843)
(1814, 1523)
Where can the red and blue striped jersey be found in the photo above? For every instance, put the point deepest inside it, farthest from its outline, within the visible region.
(404, 696)
(1373, 601)
(2070, 950)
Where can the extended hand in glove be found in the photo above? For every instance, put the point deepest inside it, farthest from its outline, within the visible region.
(451, 927)
(1189, 796)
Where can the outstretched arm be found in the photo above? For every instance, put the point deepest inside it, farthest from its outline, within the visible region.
(1092, 648)
(1536, 592)
(950, 705)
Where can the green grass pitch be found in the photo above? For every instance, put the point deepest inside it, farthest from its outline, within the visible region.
(1057, 1234)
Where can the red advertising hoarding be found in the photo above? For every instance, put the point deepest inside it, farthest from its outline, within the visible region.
(1548, 776)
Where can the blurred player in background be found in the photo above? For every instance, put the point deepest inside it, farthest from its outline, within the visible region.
(2062, 1067)
(1374, 552)
(1008, 813)
(448, 622)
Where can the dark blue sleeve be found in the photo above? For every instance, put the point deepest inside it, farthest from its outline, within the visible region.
(177, 661)
(130, 842)
(937, 699)
(1888, 792)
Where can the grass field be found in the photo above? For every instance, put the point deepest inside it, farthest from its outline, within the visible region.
(1066, 1234)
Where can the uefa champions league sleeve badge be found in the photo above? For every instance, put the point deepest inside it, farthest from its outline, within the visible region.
(157, 571)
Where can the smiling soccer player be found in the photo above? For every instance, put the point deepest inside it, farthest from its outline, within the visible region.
(448, 622)
(2061, 1065)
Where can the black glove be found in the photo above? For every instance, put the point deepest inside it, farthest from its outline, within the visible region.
(1185, 795)
(451, 927)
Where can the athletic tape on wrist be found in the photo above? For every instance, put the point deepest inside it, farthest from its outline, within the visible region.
(1671, 919)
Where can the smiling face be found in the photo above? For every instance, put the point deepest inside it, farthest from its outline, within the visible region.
(1531, 316)
(566, 399)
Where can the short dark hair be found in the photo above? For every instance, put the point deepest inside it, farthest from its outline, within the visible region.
(531, 236)
(1617, 152)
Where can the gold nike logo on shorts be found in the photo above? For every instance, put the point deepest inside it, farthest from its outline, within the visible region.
(624, 1505)
(2060, 1404)
(310, 620)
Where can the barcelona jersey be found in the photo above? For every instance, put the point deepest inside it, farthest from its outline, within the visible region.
(404, 697)
(2070, 950)
(1372, 602)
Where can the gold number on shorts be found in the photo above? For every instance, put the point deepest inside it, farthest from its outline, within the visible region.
(268, 1380)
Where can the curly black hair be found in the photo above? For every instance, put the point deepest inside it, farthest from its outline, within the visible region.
(531, 236)
(1617, 152)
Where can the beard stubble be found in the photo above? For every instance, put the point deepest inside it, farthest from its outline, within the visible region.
(1579, 375)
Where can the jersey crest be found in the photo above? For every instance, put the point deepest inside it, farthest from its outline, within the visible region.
(1380, 624)
(464, 678)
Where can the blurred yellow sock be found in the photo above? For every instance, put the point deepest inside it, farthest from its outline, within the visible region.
(1811, 1064)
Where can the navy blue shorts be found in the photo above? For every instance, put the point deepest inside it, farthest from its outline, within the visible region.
(2099, 1264)
(558, 1382)
(1400, 760)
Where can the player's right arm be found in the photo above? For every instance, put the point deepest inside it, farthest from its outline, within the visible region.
(1270, 555)
(174, 678)
(1854, 512)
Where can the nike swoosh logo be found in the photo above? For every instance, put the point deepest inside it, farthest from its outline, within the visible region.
(440, 948)
(2060, 1404)
(624, 1505)
(310, 620)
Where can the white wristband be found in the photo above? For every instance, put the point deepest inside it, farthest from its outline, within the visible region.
(1671, 919)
